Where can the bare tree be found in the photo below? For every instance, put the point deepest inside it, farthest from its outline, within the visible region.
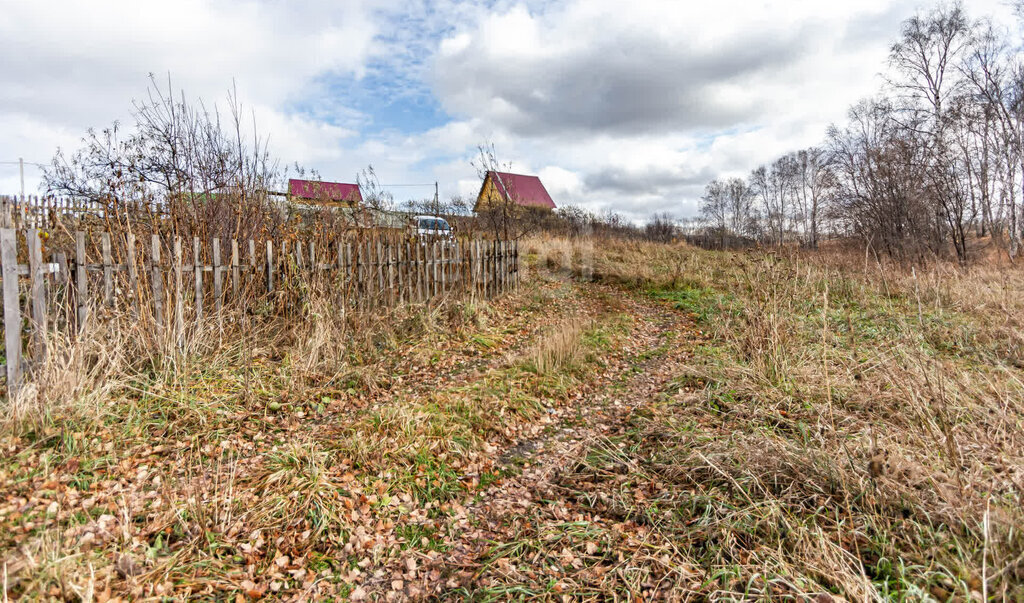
(179, 164)
(714, 208)
(928, 82)
(662, 228)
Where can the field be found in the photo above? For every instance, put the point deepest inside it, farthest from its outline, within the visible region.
(637, 421)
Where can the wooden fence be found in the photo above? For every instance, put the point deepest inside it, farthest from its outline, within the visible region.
(169, 283)
(44, 212)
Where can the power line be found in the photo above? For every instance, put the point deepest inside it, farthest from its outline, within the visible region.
(25, 162)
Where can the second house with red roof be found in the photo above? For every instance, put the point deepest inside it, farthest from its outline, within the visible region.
(518, 189)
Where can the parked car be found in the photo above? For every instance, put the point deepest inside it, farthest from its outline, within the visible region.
(432, 227)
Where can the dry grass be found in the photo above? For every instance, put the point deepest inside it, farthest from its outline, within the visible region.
(828, 427)
(846, 427)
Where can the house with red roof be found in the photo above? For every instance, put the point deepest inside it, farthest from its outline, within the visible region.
(522, 190)
(327, 193)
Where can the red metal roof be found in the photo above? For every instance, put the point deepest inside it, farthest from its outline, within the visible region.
(521, 189)
(324, 191)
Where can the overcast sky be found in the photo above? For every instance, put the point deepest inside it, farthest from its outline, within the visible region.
(631, 105)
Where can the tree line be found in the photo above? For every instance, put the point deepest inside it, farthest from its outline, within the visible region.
(926, 168)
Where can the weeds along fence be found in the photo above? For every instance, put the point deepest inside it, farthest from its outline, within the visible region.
(169, 284)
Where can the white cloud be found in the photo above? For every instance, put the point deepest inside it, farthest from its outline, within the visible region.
(79, 64)
(630, 106)
(645, 102)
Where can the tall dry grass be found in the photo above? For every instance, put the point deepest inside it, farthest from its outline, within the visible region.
(851, 424)
(309, 327)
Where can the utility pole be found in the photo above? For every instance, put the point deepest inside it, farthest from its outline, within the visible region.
(21, 170)
(437, 202)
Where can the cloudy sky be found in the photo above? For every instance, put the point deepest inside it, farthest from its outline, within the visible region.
(632, 106)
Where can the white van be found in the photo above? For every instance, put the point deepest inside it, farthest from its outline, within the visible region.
(432, 226)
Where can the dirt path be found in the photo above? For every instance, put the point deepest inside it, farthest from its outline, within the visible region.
(511, 515)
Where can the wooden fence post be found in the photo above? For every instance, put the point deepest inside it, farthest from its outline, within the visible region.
(444, 266)
(503, 246)
(235, 272)
(64, 280)
(179, 293)
(197, 265)
(379, 290)
(350, 273)
(285, 269)
(389, 251)
(38, 294)
(156, 281)
(252, 256)
(108, 270)
(515, 262)
(12, 309)
(270, 266)
(421, 285)
(218, 277)
(363, 292)
(81, 280)
(399, 269)
(133, 273)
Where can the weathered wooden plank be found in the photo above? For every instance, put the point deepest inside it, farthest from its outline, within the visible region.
(81, 280)
(64, 282)
(399, 269)
(108, 269)
(218, 276)
(270, 267)
(410, 272)
(444, 266)
(235, 270)
(156, 281)
(133, 272)
(515, 255)
(197, 268)
(12, 309)
(349, 273)
(380, 273)
(284, 270)
(179, 292)
(363, 290)
(494, 268)
(389, 253)
(37, 294)
(435, 254)
(422, 269)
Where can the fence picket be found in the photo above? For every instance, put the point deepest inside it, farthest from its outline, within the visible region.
(218, 276)
(235, 271)
(37, 293)
(270, 267)
(81, 280)
(156, 281)
(12, 309)
(179, 292)
(379, 291)
(133, 273)
(108, 270)
(197, 266)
